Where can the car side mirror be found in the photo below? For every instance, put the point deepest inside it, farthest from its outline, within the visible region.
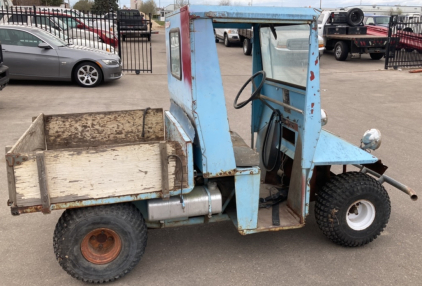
(43, 45)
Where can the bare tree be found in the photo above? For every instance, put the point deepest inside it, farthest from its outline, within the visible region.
(180, 3)
(224, 3)
(149, 6)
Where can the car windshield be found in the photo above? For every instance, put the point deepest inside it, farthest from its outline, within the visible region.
(286, 58)
(60, 42)
(382, 20)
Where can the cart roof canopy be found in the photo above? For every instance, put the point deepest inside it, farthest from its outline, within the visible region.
(251, 14)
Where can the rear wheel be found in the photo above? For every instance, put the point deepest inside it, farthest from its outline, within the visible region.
(376, 56)
(341, 51)
(100, 244)
(247, 47)
(352, 209)
(226, 40)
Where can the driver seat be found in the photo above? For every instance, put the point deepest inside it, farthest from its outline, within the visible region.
(243, 154)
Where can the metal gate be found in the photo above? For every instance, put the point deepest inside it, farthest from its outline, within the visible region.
(129, 36)
(408, 52)
(134, 37)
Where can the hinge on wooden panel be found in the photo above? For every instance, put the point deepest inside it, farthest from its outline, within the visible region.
(15, 159)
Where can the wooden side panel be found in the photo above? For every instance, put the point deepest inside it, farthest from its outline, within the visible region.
(91, 173)
(103, 128)
(33, 139)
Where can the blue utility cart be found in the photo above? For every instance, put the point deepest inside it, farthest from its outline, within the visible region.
(149, 168)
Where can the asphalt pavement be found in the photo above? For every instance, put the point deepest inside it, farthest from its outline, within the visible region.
(357, 95)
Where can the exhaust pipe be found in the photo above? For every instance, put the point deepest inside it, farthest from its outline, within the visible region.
(202, 200)
(383, 178)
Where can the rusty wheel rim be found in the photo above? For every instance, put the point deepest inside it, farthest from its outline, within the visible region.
(101, 246)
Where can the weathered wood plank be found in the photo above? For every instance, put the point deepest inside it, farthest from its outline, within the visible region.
(165, 171)
(42, 181)
(33, 139)
(77, 174)
(103, 128)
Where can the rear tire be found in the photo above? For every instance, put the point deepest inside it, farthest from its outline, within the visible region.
(247, 47)
(352, 209)
(341, 51)
(226, 40)
(376, 56)
(100, 244)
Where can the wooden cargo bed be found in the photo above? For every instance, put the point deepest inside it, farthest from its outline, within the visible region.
(75, 157)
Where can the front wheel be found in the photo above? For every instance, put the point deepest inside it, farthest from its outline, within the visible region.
(352, 209)
(100, 244)
(88, 74)
(376, 56)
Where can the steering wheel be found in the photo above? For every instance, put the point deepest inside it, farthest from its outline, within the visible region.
(255, 94)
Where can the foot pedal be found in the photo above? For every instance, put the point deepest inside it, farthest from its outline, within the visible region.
(276, 214)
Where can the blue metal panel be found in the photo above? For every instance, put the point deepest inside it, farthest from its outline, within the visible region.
(332, 150)
(247, 183)
(212, 125)
(175, 132)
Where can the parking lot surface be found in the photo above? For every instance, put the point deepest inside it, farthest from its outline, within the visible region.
(357, 95)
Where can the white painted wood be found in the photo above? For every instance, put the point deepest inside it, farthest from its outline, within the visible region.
(33, 139)
(89, 173)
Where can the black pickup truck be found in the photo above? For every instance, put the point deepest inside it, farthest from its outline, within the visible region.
(132, 24)
(4, 71)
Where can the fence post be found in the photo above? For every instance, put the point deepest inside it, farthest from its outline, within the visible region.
(118, 35)
(150, 44)
(387, 58)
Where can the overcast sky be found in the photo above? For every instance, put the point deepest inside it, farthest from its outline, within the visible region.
(285, 3)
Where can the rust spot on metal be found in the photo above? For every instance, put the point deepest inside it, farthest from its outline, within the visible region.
(316, 61)
(312, 111)
(312, 105)
(101, 246)
(312, 76)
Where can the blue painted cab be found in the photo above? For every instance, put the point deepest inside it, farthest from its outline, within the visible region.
(285, 47)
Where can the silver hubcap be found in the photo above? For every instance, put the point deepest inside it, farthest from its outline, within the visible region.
(338, 51)
(226, 40)
(360, 215)
(245, 46)
(88, 75)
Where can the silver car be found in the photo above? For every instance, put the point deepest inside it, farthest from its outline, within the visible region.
(34, 54)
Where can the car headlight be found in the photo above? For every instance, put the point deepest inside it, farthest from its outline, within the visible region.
(111, 62)
(232, 31)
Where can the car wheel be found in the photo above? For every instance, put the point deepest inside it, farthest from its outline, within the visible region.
(341, 51)
(100, 244)
(226, 40)
(88, 74)
(352, 209)
(247, 47)
(376, 56)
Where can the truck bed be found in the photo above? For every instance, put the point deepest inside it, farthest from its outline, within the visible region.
(83, 159)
